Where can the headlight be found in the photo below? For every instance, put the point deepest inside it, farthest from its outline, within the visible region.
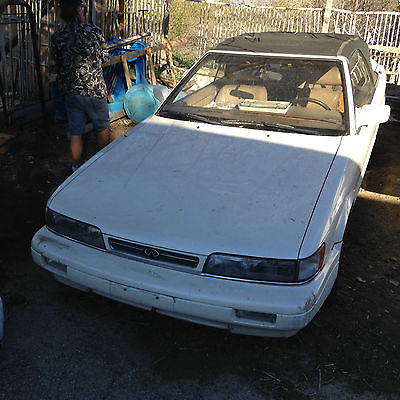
(74, 229)
(308, 267)
(264, 269)
(252, 268)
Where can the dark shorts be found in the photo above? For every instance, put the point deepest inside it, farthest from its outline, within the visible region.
(81, 108)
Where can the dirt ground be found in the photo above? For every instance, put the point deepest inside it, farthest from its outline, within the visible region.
(64, 344)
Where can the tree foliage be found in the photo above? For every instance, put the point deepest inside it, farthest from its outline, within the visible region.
(354, 5)
(367, 5)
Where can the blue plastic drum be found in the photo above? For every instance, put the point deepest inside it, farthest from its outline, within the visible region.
(140, 103)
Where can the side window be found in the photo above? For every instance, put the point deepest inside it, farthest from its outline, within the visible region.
(361, 79)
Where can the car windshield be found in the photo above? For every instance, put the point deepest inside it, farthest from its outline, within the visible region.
(285, 94)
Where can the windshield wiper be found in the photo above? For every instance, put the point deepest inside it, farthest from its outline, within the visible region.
(188, 117)
(281, 127)
(201, 118)
(289, 128)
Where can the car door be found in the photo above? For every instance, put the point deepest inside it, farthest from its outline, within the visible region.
(368, 88)
(365, 91)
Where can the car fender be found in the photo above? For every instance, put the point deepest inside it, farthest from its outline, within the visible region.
(329, 218)
(342, 220)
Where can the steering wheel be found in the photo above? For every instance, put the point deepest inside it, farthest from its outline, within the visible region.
(312, 100)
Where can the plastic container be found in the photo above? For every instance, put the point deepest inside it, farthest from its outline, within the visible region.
(140, 102)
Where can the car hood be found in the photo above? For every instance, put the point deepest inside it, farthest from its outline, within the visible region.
(202, 188)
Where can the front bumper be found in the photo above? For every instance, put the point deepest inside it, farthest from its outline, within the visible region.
(192, 297)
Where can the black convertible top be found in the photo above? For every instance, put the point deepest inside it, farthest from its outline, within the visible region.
(318, 44)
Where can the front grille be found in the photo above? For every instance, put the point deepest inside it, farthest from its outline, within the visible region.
(152, 253)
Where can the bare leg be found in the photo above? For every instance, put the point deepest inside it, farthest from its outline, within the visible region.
(76, 147)
(103, 137)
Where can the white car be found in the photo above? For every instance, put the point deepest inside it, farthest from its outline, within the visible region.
(228, 206)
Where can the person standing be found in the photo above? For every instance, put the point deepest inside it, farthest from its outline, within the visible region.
(77, 51)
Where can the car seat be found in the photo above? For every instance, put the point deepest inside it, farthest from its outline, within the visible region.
(327, 89)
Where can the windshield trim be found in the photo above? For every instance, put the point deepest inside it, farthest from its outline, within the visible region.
(280, 55)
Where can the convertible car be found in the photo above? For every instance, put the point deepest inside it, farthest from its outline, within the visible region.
(228, 206)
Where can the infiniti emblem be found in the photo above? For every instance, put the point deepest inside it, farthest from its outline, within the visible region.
(153, 253)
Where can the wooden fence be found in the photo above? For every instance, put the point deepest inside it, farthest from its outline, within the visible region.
(125, 18)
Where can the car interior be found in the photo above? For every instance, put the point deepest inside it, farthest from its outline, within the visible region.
(325, 92)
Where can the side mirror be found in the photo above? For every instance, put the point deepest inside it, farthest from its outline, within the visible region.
(370, 114)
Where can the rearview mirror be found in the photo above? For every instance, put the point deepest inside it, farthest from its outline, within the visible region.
(372, 114)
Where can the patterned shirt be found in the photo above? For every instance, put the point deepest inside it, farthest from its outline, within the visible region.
(77, 51)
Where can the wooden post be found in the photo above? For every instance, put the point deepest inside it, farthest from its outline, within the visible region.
(327, 16)
(126, 72)
(165, 21)
(151, 66)
(92, 9)
(120, 17)
(171, 62)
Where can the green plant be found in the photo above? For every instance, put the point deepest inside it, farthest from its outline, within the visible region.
(183, 60)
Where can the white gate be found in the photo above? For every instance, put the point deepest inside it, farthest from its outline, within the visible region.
(219, 20)
(379, 29)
